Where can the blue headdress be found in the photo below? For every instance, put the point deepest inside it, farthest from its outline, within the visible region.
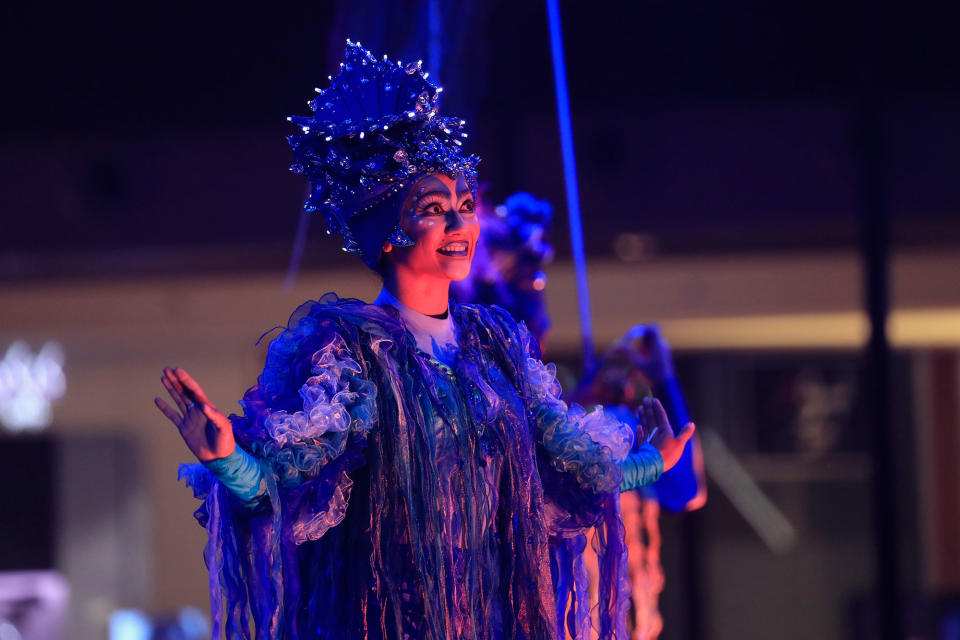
(373, 131)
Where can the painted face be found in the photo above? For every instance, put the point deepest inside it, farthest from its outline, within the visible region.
(438, 215)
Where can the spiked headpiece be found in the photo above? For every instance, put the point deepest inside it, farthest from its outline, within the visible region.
(373, 131)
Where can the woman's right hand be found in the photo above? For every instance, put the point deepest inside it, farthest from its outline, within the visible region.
(207, 432)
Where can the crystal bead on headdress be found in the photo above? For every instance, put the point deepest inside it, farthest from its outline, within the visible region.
(373, 131)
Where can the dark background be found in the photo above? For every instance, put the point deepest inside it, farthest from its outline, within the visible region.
(710, 126)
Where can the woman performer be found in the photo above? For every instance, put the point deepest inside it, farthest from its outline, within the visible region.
(405, 469)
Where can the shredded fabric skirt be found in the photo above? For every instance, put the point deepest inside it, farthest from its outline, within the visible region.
(404, 498)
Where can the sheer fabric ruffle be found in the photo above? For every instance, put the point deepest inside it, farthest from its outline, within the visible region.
(404, 499)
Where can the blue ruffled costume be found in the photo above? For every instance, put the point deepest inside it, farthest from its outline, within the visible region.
(400, 497)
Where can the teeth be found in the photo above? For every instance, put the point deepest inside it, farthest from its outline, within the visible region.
(454, 247)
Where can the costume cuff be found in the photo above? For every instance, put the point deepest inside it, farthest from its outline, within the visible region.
(641, 468)
(239, 472)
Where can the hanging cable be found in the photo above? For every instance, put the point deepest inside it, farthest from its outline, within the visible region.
(570, 180)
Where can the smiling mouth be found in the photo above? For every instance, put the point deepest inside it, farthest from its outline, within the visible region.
(454, 249)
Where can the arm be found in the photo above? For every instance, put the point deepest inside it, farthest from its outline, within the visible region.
(304, 428)
(336, 408)
(594, 446)
(240, 473)
(589, 446)
(683, 487)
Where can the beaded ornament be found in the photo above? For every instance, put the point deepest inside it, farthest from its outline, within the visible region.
(373, 131)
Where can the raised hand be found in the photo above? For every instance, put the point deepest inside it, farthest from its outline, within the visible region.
(660, 433)
(207, 432)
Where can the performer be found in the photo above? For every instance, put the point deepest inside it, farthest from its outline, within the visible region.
(406, 469)
(509, 271)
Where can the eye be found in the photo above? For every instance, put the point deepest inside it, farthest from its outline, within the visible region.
(467, 206)
(433, 209)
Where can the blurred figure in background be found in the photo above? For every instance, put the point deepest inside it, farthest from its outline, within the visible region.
(508, 267)
(509, 272)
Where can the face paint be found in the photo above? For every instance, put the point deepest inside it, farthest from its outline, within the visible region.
(439, 216)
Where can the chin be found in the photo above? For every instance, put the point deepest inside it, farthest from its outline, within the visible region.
(458, 272)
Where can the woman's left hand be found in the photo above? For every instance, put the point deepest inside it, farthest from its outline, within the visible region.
(654, 421)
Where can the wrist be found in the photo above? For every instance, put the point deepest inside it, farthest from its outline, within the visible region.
(641, 468)
(240, 473)
(218, 455)
(222, 461)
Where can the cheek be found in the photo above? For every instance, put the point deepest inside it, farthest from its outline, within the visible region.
(421, 229)
(473, 229)
(426, 233)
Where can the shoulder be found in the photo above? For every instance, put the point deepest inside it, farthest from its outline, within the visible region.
(324, 341)
(494, 324)
(331, 311)
(486, 315)
(345, 324)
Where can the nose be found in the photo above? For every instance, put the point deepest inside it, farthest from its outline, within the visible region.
(454, 220)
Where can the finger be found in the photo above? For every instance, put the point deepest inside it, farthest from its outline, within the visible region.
(168, 411)
(654, 433)
(182, 391)
(191, 385)
(648, 418)
(214, 416)
(168, 371)
(638, 432)
(176, 394)
(649, 413)
(645, 433)
(687, 433)
(186, 393)
(662, 419)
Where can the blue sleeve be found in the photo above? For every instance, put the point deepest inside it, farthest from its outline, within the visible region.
(305, 449)
(240, 473)
(589, 445)
(641, 468)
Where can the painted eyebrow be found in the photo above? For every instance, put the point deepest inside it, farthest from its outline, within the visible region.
(463, 192)
(435, 192)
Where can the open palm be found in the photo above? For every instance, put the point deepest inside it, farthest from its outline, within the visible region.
(655, 423)
(207, 432)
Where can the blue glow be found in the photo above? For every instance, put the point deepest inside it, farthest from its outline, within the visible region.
(296, 256)
(128, 624)
(570, 179)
